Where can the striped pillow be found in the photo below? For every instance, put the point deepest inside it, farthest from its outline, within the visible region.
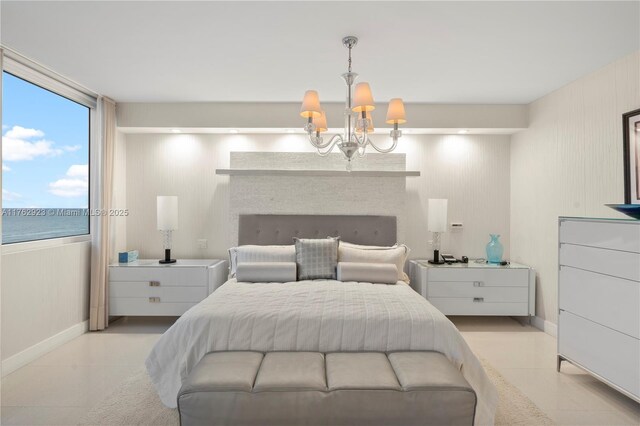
(256, 253)
(316, 258)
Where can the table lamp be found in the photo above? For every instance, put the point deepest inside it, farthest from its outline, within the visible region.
(167, 222)
(437, 223)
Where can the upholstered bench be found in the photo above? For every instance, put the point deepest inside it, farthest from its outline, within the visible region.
(311, 388)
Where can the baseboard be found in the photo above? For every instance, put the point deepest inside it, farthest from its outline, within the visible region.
(34, 352)
(544, 325)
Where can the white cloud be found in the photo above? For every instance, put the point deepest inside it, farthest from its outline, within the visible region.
(19, 132)
(5, 168)
(10, 196)
(75, 184)
(79, 170)
(18, 146)
(72, 148)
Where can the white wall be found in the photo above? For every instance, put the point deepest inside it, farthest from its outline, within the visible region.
(205, 115)
(569, 163)
(44, 292)
(313, 195)
(472, 171)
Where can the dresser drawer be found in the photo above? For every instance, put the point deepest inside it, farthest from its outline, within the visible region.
(610, 301)
(124, 289)
(608, 235)
(471, 290)
(173, 276)
(488, 277)
(467, 306)
(136, 306)
(615, 263)
(604, 351)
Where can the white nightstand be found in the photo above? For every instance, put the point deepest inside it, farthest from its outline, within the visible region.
(476, 288)
(148, 288)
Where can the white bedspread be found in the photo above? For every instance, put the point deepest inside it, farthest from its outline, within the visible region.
(320, 315)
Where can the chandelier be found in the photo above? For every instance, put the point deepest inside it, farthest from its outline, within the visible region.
(358, 124)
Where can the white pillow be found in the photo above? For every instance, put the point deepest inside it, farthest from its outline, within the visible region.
(363, 247)
(382, 273)
(254, 253)
(266, 272)
(396, 254)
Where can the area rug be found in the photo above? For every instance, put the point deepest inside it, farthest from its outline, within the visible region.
(136, 403)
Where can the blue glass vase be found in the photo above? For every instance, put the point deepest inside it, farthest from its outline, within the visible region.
(494, 249)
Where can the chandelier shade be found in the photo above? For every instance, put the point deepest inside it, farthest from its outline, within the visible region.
(370, 128)
(310, 105)
(320, 122)
(358, 124)
(363, 98)
(395, 112)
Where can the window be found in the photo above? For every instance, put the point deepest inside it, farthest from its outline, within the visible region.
(45, 162)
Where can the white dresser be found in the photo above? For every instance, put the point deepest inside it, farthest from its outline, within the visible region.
(599, 299)
(476, 288)
(148, 288)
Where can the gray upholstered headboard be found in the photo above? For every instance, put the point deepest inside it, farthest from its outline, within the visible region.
(280, 229)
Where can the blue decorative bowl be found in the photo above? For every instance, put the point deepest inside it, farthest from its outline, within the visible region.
(631, 210)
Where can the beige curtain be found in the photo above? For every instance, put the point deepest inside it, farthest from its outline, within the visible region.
(101, 200)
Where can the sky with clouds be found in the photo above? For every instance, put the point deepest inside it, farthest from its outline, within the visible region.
(45, 147)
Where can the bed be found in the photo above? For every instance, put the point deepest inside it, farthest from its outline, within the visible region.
(317, 315)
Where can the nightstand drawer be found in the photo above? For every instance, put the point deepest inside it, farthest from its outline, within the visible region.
(474, 290)
(176, 276)
(471, 306)
(124, 289)
(488, 277)
(136, 306)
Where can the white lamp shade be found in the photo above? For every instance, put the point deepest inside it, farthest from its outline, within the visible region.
(395, 112)
(321, 122)
(363, 98)
(167, 212)
(310, 104)
(437, 215)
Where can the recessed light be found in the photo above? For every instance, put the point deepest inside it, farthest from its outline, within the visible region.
(463, 131)
(176, 131)
(290, 131)
(233, 131)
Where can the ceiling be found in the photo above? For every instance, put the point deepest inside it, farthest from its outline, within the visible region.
(433, 52)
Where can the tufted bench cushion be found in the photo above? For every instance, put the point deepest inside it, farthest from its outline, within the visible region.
(312, 388)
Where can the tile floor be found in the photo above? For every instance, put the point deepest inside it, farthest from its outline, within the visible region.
(62, 386)
(526, 357)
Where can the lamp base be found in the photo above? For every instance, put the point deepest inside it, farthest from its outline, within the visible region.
(167, 257)
(436, 258)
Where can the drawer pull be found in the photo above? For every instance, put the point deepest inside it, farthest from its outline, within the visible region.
(478, 299)
(478, 284)
(154, 283)
(154, 300)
